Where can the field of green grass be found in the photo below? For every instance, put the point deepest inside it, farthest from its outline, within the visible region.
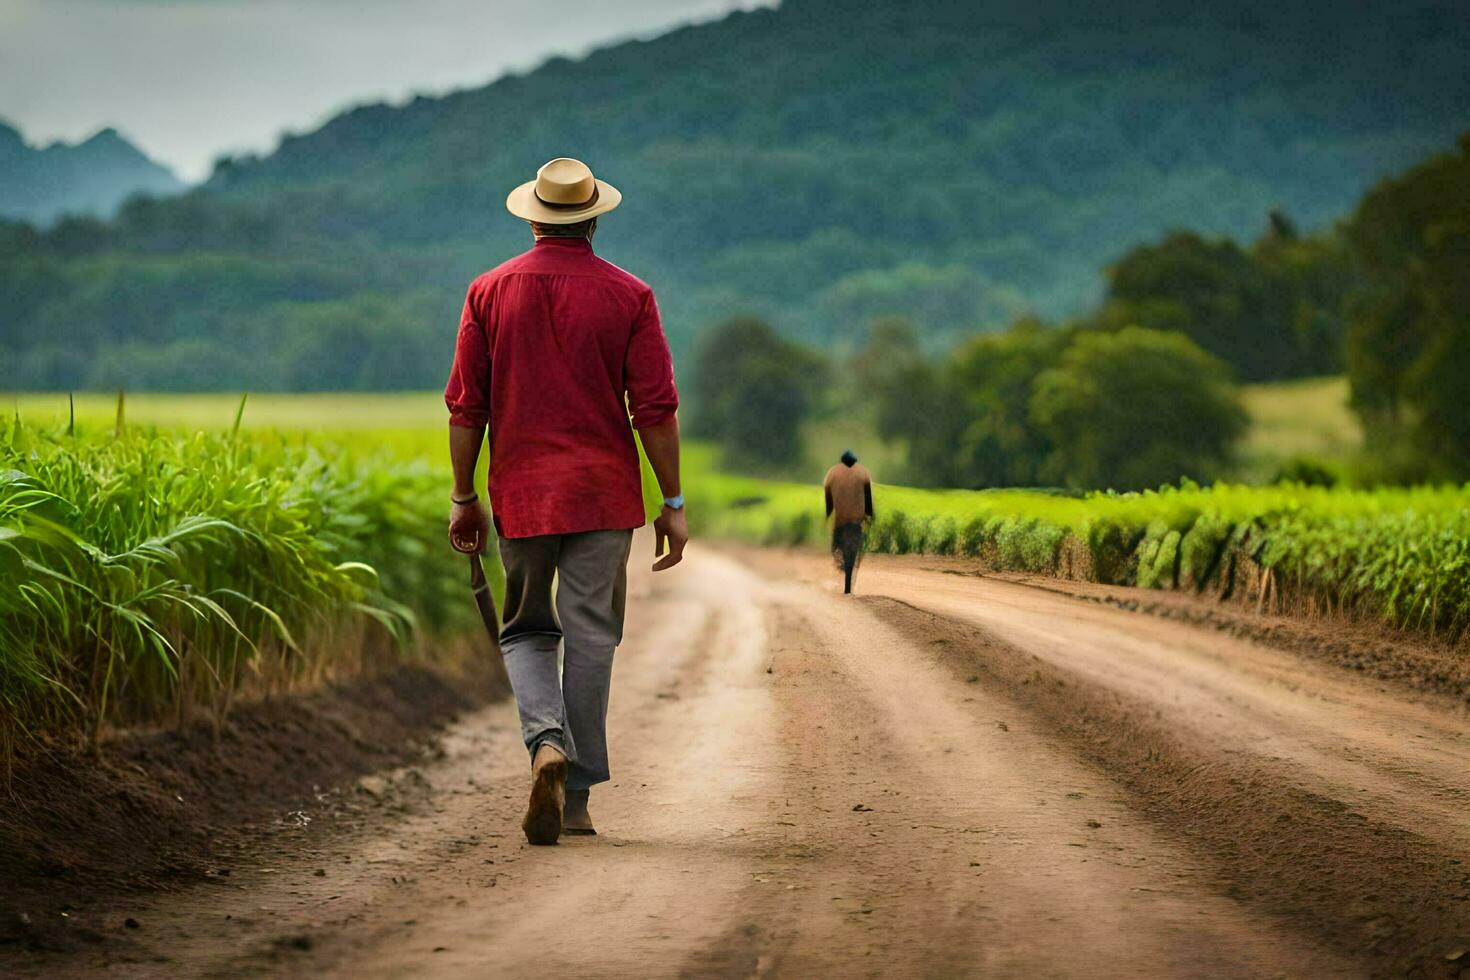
(1291, 420)
(416, 411)
(177, 559)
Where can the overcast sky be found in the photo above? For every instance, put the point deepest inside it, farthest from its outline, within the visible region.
(187, 80)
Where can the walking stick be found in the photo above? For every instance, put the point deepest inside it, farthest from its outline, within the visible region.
(484, 599)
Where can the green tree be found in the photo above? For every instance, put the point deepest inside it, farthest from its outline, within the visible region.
(890, 349)
(753, 390)
(1271, 311)
(993, 376)
(1409, 339)
(1307, 280)
(1136, 409)
(880, 376)
(903, 391)
(966, 418)
(1209, 290)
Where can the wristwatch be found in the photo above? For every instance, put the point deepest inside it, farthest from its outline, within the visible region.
(674, 503)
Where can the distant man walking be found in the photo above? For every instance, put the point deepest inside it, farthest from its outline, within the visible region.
(849, 491)
(556, 348)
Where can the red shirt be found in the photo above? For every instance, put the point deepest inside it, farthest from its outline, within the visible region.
(550, 343)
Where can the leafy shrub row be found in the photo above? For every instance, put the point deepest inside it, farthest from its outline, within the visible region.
(1399, 555)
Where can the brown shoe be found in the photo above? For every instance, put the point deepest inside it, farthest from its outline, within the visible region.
(548, 795)
(575, 818)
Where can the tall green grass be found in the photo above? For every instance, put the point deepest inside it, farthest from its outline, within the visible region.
(147, 574)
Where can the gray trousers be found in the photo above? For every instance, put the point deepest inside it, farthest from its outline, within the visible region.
(568, 706)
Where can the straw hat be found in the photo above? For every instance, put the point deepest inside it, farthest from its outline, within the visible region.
(563, 193)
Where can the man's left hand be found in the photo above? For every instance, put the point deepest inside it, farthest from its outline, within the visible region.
(670, 528)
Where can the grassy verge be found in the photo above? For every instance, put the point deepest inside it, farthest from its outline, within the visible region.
(1397, 555)
(148, 574)
(1295, 421)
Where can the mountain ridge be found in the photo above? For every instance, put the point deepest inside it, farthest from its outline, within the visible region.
(816, 164)
(92, 176)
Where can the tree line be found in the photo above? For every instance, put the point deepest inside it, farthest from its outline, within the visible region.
(1143, 390)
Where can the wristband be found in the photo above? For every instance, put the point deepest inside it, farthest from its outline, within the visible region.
(462, 502)
(674, 503)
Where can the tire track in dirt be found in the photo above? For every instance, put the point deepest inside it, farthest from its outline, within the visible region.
(828, 895)
(1397, 898)
(663, 874)
(1401, 757)
(1414, 662)
(971, 852)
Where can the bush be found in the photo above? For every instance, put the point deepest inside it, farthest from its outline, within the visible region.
(753, 390)
(1136, 409)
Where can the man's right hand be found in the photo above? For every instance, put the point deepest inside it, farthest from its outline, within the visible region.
(672, 528)
(469, 527)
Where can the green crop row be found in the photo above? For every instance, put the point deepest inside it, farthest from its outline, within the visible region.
(149, 573)
(1398, 555)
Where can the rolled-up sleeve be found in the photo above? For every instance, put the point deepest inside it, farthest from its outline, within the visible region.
(468, 392)
(649, 369)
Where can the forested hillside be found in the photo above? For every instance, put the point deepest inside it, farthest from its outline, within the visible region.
(819, 165)
(1141, 389)
(40, 184)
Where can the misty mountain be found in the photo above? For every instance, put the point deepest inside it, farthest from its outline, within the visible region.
(819, 164)
(40, 184)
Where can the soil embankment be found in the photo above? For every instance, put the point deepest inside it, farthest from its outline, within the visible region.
(81, 836)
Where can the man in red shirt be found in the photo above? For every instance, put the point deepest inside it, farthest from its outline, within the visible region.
(557, 348)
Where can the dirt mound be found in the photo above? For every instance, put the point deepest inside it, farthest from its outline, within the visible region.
(162, 808)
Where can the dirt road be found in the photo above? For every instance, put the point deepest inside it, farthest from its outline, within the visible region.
(944, 775)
